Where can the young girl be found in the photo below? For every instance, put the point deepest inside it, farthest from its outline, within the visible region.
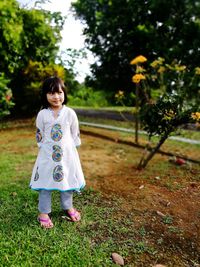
(57, 166)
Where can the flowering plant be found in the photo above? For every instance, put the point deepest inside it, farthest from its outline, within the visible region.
(176, 103)
(5, 97)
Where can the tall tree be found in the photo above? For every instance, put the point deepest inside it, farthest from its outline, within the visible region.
(39, 39)
(11, 28)
(26, 35)
(41, 35)
(118, 30)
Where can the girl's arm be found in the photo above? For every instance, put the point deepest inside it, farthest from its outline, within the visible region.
(75, 132)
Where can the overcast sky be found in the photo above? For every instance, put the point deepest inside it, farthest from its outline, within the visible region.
(72, 31)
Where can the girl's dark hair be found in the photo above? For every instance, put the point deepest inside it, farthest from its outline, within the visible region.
(52, 84)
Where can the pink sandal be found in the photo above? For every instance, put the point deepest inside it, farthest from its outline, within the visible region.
(74, 215)
(45, 222)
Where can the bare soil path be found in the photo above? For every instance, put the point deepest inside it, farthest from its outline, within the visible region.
(163, 198)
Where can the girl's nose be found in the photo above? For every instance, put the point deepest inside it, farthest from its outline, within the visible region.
(56, 95)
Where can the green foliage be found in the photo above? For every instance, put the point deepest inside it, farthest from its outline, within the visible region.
(169, 29)
(5, 97)
(70, 57)
(180, 89)
(25, 36)
(28, 97)
(165, 115)
(40, 39)
(175, 107)
(86, 96)
(11, 28)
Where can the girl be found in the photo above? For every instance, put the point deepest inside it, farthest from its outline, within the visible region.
(57, 166)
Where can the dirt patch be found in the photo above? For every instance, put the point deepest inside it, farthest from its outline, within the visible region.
(163, 198)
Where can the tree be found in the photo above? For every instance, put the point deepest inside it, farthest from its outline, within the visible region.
(26, 35)
(41, 35)
(116, 31)
(11, 28)
(175, 106)
(40, 38)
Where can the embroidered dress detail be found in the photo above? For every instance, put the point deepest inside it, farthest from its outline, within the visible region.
(38, 135)
(57, 153)
(36, 175)
(58, 174)
(56, 132)
(58, 166)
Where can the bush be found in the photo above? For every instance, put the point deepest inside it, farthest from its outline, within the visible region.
(86, 96)
(5, 97)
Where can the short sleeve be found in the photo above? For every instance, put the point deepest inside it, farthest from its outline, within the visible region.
(39, 129)
(75, 131)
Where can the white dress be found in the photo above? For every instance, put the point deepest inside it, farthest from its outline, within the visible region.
(57, 166)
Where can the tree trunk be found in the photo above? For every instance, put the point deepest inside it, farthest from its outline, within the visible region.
(143, 162)
(136, 114)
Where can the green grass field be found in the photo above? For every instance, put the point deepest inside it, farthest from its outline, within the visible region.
(89, 242)
(22, 241)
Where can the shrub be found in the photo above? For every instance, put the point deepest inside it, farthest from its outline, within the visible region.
(5, 97)
(86, 96)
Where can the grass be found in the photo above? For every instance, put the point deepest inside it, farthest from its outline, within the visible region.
(24, 243)
(111, 108)
(191, 134)
(103, 229)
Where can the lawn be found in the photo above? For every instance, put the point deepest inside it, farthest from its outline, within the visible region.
(148, 216)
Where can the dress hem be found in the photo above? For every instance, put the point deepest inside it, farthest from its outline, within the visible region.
(57, 189)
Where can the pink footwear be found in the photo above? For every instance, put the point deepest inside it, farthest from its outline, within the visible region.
(45, 222)
(74, 215)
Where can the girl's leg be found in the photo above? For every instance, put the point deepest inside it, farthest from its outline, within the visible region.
(44, 207)
(66, 199)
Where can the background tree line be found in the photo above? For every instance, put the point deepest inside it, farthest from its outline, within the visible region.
(118, 30)
(115, 31)
(122, 33)
(29, 42)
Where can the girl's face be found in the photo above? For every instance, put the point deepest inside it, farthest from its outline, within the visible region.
(56, 99)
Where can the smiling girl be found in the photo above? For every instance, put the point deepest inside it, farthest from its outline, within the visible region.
(57, 166)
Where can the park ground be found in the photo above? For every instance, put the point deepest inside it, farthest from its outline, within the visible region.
(148, 216)
(161, 201)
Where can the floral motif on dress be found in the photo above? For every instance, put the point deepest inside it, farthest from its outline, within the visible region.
(36, 175)
(57, 153)
(38, 135)
(58, 173)
(56, 132)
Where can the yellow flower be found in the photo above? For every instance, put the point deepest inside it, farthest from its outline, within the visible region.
(138, 59)
(180, 68)
(169, 115)
(119, 95)
(161, 69)
(138, 77)
(140, 69)
(197, 70)
(156, 63)
(196, 116)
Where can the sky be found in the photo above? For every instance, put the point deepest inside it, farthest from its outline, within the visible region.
(72, 32)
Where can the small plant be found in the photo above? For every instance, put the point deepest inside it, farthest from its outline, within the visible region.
(142, 231)
(176, 104)
(167, 219)
(5, 97)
